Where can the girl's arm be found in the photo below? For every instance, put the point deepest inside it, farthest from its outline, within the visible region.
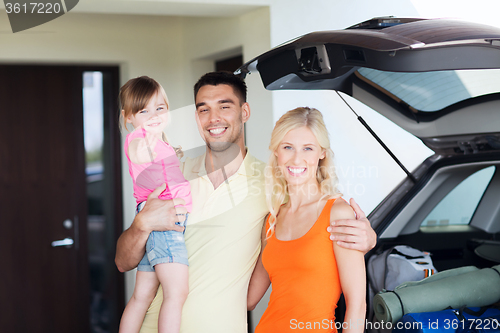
(141, 149)
(351, 266)
(259, 282)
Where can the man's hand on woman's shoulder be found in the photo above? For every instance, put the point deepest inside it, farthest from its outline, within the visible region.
(356, 234)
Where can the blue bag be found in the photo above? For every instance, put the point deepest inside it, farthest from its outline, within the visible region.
(465, 320)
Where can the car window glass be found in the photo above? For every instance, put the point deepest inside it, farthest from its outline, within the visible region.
(458, 206)
(433, 91)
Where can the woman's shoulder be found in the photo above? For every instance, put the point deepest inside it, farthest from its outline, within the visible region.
(341, 210)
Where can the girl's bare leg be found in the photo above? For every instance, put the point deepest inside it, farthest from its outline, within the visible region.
(146, 286)
(174, 281)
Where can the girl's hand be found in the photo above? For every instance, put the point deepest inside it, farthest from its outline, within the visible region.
(179, 152)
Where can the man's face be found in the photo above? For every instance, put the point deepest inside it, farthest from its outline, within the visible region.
(220, 116)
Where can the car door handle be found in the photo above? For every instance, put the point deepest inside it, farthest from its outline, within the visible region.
(63, 242)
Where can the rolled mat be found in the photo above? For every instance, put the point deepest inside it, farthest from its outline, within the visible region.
(438, 276)
(475, 288)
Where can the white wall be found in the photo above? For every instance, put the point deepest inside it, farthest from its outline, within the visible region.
(140, 45)
(247, 34)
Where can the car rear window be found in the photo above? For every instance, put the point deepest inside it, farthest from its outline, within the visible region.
(433, 91)
(459, 205)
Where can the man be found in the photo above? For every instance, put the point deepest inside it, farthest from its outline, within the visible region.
(224, 227)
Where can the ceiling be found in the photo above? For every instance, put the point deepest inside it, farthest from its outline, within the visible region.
(211, 8)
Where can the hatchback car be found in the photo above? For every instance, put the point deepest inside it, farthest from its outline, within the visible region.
(439, 80)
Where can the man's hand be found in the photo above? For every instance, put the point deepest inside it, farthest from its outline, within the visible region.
(157, 215)
(354, 234)
(161, 215)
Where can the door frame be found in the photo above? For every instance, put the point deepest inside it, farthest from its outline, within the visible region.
(113, 171)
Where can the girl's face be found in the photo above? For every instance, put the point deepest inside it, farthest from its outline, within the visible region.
(298, 156)
(153, 118)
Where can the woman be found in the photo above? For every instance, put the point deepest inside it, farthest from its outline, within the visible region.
(307, 270)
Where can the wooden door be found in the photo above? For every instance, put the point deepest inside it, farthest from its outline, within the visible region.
(43, 287)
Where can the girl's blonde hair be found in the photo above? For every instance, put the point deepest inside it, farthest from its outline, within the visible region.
(276, 187)
(135, 95)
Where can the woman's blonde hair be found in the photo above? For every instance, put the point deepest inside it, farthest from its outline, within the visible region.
(135, 95)
(276, 187)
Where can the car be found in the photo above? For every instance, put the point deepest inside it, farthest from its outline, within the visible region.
(439, 80)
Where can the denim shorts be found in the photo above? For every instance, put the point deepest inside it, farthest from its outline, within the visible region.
(163, 247)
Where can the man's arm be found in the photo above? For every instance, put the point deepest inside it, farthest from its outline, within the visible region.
(355, 234)
(157, 215)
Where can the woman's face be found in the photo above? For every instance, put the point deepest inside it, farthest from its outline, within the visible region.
(298, 156)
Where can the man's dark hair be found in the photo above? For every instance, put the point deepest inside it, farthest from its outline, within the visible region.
(223, 77)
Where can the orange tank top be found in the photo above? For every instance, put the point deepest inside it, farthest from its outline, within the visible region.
(305, 281)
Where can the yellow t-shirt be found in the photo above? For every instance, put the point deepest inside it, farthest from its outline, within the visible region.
(223, 243)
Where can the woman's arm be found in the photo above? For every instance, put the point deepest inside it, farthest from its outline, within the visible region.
(353, 233)
(259, 282)
(351, 266)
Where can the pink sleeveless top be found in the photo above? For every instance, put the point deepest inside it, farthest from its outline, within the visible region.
(164, 169)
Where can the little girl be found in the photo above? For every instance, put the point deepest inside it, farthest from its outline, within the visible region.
(152, 163)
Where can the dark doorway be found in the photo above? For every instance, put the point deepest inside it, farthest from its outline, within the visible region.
(229, 64)
(44, 242)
